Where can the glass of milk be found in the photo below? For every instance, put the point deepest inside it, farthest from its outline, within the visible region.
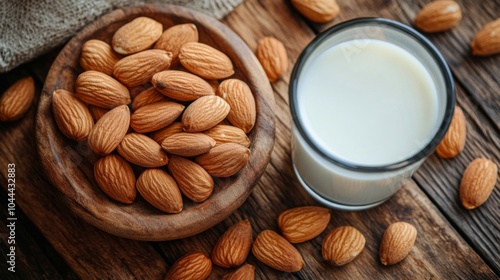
(370, 99)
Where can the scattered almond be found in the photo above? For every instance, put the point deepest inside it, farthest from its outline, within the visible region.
(72, 116)
(439, 16)
(160, 190)
(155, 116)
(397, 242)
(188, 144)
(139, 68)
(174, 37)
(99, 56)
(142, 150)
(205, 61)
(109, 131)
(115, 177)
(97, 112)
(224, 160)
(146, 97)
(273, 57)
(204, 113)
(98, 89)
(303, 223)
(233, 246)
(276, 252)
(317, 10)
(193, 266)
(138, 35)
(195, 183)
(478, 181)
(160, 135)
(182, 86)
(245, 272)
(342, 245)
(222, 133)
(487, 40)
(454, 140)
(239, 97)
(17, 99)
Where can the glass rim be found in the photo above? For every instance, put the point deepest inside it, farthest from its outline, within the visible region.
(428, 46)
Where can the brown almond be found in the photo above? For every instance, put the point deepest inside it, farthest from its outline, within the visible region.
(239, 97)
(397, 242)
(142, 150)
(99, 56)
(138, 35)
(453, 141)
(342, 245)
(188, 144)
(478, 181)
(222, 133)
(98, 89)
(17, 99)
(273, 57)
(317, 10)
(160, 190)
(195, 183)
(160, 135)
(182, 86)
(97, 112)
(193, 266)
(139, 68)
(115, 177)
(245, 272)
(487, 40)
(109, 131)
(276, 252)
(174, 37)
(224, 160)
(301, 224)
(204, 113)
(232, 248)
(72, 116)
(439, 16)
(205, 61)
(146, 97)
(155, 116)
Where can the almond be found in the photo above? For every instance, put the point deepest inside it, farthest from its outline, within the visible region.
(155, 116)
(317, 10)
(170, 130)
(139, 68)
(174, 37)
(478, 181)
(342, 245)
(146, 97)
(115, 177)
(487, 40)
(97, 112)
(195, 183)
(232, 248)
(204, 113)
(303, 223)
(245, 272)
(17, 99)
(72, 116)
(188, 144)
(273, 57)
(224, 160)
(439, 16)
(454, 140)
(397, 242)
(222, 133)
(239, 97)
(276, 252)
(138, 35)
(193, 266)
(142, 150)
(181, 85)
(109, 131)
(160, 190)
(99, 56)
(205, 61)
(98, 89)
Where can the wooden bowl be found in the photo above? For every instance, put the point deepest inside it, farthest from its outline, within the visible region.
(69, 165)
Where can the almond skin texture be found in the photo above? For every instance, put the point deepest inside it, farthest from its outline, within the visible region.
(193, 266)
(317, 10)
(97, 112)
(180, 85)
(439, 16)
(204, 113)
(115, 177)
(273, 57)
(155, 116)
(239, 97)
(98, 89)
(342, 245)
(139, 68)
(303, 223)
(17, 99)
(174, 37)
(160, 135)
(109, 131)
(245, 272)
(487, 40)
(160, 190)
(478, 181)
(224, 160)
(99, 56)
(142, 150)
(146, 97)
(397, 242)
(138, 35)
(195, 183)
(276, 252)
(222, 133)
(454, 140)
(72, 116)
(233, 246)
(205, 61)
(188, 144)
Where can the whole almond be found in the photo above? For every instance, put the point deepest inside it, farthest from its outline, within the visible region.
(17, 99)
(139, 68)
(487, 40)
(109, 131)
(273, 57)
(142, 150)
(245, 272)
(222, 133)
(342, 245)
(276, 252)
(195, 183)
(224, 160)
(160, 190)
(232, 248)
(97, 112)
(155, 116)
(174, 37)
(193, 266)
(138, 35)
(98, 89)
(239, 97)
(204, 113)
(397, 242)
(180, 85)
(170, 130)
(303, 223)
(205, 61)
(478, 181)
(188, 144)
(454, 140)
(115, 177)
(72, 116)
(317, 10)
(99, 56)
(146, 97)
(439, 16)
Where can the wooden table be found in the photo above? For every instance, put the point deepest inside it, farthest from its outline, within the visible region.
(452, 243)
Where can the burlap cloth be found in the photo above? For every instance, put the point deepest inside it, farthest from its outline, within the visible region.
(29, 28)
